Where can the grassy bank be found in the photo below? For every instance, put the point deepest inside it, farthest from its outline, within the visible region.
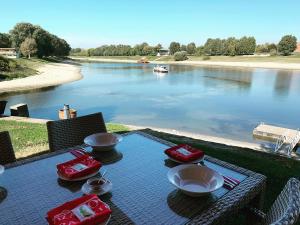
(22, 67)
(31, 138)
(280, 59)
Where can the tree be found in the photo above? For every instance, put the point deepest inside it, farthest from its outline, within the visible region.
(246, 46)
(287, 44)
(28, 47)
(43, 41)
(200, 51)
(180, 56)
(174, 47)
(214, 47)
(5, 40)
(230, 46)
(191, 48)
(183, 48)
(20, 32)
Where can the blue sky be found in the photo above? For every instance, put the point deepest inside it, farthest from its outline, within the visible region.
(91, 23)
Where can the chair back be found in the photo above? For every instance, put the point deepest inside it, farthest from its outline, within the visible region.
(2, 106)
(286, 208)
(7, 154)
(71, 132)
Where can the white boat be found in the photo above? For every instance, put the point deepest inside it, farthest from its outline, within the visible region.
(160, 69)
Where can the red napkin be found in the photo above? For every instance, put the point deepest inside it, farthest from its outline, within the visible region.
(86, 210)
(230, 182)
(78, 167)
(184, 153)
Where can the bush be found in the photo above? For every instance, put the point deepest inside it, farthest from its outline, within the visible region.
(4, 64)
(180, 56)
(207, 57)
(287, 44)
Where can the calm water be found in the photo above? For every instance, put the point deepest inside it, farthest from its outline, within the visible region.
(213, 101)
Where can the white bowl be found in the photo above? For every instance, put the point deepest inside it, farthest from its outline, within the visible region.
(195, 180)
(103, 141)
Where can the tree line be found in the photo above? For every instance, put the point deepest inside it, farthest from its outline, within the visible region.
(143, 49)
(212, 47)
(29, 39)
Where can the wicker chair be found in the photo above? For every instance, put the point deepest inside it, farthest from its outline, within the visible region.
(2, 106)
(7, 154)
(71, 132)
(286, 208)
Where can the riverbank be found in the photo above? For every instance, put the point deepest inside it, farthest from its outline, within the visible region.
(50, 74)
(234, 62)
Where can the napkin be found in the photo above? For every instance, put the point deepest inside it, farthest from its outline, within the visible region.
(184, 153)
(81, 166)
(230, 183)
(86, 210)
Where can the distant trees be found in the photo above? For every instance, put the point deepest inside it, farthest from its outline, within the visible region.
(180, 56)
(47, 44)
(246, 46)
(230, 46)
(266, 48)
(28, 47)
(5, 40)
(142, 49)
(287, 44)
(174, 47)
(213, 47)
(191, 48)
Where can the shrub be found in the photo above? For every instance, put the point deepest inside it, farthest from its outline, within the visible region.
(287, 44)
(180, 56)
(4, 64)
(207, 57)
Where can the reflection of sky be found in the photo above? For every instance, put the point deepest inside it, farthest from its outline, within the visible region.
(214, 101)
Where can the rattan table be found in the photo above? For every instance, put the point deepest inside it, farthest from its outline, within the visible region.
(141, 192)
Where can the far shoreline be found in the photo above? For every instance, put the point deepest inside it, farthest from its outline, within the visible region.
(208, 63)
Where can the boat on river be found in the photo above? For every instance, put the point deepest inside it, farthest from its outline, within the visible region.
(160, 69)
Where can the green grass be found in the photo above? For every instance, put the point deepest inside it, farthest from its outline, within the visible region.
(27, 138)
(32, 138)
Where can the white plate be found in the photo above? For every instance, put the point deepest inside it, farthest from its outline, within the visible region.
(79, 178)
(87, 189)
(103, 141)
(195, 180)
(191, 162)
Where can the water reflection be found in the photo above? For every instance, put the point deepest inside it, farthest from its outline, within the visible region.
(214, 101)
(283, 83)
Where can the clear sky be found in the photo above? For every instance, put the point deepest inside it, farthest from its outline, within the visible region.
(90, 23)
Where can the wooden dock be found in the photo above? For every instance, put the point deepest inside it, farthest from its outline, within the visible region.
(272, 133)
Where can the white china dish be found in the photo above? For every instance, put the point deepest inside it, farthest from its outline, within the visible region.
(103, 141)
(195, 180)
(103, 189)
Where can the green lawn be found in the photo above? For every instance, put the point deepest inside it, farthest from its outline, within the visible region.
(31, 138)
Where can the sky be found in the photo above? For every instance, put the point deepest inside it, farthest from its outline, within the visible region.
(91, 23)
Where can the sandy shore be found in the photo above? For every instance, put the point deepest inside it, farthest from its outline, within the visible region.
(49, 75)
(266, 65)
(213, 139)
